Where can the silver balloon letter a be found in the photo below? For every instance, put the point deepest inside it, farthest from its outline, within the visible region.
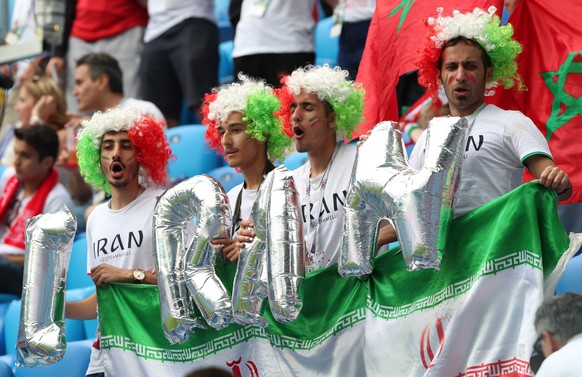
(417, 202)
(186, 273)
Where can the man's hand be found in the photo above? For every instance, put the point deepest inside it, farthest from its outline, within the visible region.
(106, 273)
(44, 108)
(246, 233)
(230, 251)
(544, 169)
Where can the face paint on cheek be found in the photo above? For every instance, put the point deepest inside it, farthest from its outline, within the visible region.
(472, 78)
(105, 162)
(313, 122)
(449, 79)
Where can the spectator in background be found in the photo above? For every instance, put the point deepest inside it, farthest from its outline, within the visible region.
(99, 86)
(115, 27)
(558, 322)
(28, 189)
(273, 38)
(42, 102)
(180, 56)
(351, 20)
(243, 126)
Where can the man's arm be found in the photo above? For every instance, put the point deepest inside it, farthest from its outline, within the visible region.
(84, 309)
(386, 235)
(106, 273)
(544, 169)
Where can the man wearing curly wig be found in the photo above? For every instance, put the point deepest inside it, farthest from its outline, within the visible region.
(243, 125)
(124, 153)
(322, 107)
(469, 54)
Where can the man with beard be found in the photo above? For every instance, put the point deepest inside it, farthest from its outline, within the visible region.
(124, 153)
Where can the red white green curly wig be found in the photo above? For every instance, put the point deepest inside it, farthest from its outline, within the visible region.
(482, 27)
(259, 107)
(146, 135)
(345, 97)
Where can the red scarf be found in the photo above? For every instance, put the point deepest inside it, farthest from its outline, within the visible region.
(15, 235)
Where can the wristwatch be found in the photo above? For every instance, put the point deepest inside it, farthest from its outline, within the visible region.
(138, 275)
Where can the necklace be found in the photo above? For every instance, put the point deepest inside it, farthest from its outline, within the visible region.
(315, 256)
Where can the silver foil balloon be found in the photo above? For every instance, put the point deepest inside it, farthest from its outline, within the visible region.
(285, 248)
(186, 273)
(250, 283)
(272, 265)
(418, 203)
(41, 336)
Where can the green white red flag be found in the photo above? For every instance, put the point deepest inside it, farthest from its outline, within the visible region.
(474, 317)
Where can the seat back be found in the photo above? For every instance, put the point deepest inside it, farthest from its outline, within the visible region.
(193, 155)
(227, 176)
(77, 275)
(326, 46)
(571, 280)
(295, 160)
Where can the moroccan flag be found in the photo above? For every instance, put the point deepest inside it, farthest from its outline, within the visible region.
(474, 317)
(396, 33)
(551, 68)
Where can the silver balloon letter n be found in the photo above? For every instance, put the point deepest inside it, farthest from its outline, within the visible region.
(417, 202)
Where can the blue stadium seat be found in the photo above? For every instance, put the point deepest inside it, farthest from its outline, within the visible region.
(73, 364)
(326, 47)
(11, 325)
(295, 160)
(77, 275)
(571, 280)
(5, 370)
(227, 176)
(193, 155)
(2, 168)
(225, 64)
(3, 309)
(225, 29)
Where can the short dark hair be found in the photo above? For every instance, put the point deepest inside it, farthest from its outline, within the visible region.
(104, 64)
(43, 139)
(484, 56)
(561, 316)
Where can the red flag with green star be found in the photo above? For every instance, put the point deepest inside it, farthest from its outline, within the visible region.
(551, 68)
(394, 38)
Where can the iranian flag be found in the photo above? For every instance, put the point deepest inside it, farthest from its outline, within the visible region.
(474, 317)
(551, 69)
(396, 33)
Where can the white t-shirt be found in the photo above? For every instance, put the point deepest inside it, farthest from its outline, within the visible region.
(56, 200)
(121, 238)
(496, 146)
(146, 107)
(359, 10)
(322, 208)
(565, 362)
(285, 27)
(165, 14)
(246, 205)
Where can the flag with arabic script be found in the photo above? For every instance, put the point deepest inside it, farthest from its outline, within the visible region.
(473, 317)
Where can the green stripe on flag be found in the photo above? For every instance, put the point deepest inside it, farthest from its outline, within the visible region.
(518, 229)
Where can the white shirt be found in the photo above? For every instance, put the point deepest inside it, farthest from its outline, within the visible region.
(146, 107)
(285, 27)
(246, 205)
(322, 208)
(565, 362)
(496, 146)
(165, 14)
(359, 10)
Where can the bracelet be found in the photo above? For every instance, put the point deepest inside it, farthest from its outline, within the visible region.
(568, 188)
(36, 121)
